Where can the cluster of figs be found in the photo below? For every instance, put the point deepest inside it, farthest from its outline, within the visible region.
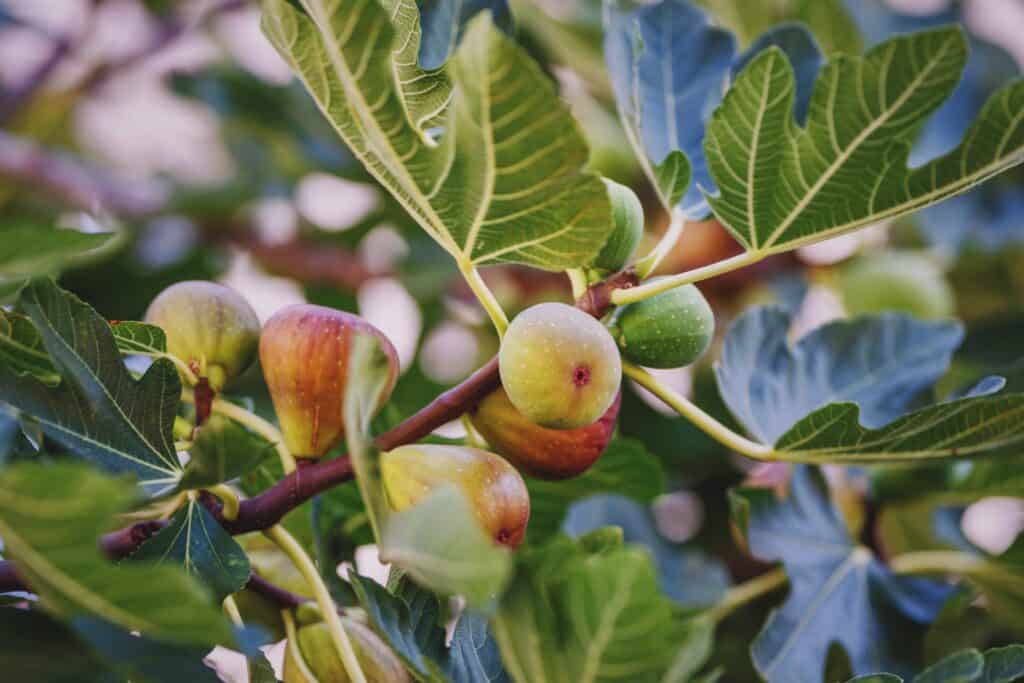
(551, 418)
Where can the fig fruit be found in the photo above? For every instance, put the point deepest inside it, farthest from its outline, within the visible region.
(896, 281)
(559, 366)
(208, 326)
(541, 452)
(270, 563)
(304, 351)
(376, 659)
(493, 488)
(628, 216)
(669, 330)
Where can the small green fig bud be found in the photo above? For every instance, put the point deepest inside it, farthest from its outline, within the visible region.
(541, 452)
(559, 366)
(208, 326)
(669, 330)
(493, 488)
(897, 281)
(320, 656)
(628, 216)
(304, 351)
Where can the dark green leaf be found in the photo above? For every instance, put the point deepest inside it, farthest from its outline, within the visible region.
(35, 647)
(223, 450)
(22, 350)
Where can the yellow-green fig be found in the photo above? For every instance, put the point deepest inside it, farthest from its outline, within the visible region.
(541, 452)
(208, 326)
(304, 351)
(321, 659)
(559, 366)
(493, 487)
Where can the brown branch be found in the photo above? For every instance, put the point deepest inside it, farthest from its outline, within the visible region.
(309, 262)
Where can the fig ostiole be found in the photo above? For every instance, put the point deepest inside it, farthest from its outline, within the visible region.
(628, 219)
(378, 662)
(559, 366)
(208, 326)
(304, 352)
(669, 330)
(493, 488)
(539, 451)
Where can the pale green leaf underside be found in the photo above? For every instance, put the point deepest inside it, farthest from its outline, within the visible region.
(50, 517)
(971, 427)
(782, 186)
(504, 181)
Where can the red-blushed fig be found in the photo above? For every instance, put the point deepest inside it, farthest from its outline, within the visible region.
(304, 351)
(208, 326)
(559, 366)
(493, 487)
(378, 662)
(541, 452)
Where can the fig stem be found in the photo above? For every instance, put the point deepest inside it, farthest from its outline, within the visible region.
(746, 592)
(484, 295)
(229, 500)
(655, 287)
(648, 264)
(287, 543)
(578, 281)
(292, 643)
(254, 422)
(936, 562)
(709, 425)
(231, 609)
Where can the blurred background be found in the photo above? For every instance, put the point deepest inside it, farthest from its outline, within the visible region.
(176, 124)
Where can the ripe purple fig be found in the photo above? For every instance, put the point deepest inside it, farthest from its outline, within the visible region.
(304, 350)
(321, 659)
(541, 452)
(493, 488)
(559, 366)
(208, 326)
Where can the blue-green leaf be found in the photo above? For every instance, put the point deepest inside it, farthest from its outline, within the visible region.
(444, 22)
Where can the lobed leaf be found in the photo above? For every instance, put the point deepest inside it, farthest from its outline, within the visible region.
(504, 181)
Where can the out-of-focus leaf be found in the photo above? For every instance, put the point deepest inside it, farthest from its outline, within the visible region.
(223, 450)
(998, 665)
(686, 574)
(827, 19)
(50, 518)
(504, 182)
(573, 615)
(409, 620)
(625, 468)
(444, 22)
(98, 412)
(882, 363)
(839, 592)
(196, 541)
(35, 647)
(27, 251)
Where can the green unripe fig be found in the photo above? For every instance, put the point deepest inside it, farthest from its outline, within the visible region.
(559, 366)
(669, 330)
(896, 281)
(492, 487)
(320, 656)
(541, 452)
(304, 351)
(628, 216)
(208, 326)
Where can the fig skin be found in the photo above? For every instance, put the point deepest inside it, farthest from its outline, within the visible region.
(492, 486)
(902, 281)
(375, 658)
(538, 451)
(559, 366)
(670, 330)
(304, 351)
(208, 326)
(628, 215)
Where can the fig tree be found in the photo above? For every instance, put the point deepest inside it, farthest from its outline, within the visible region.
(208, 326)
(541, 452)
(669, 330)
(378, 662)
(896, 281)
(304, 351)
(628, 216)
(493, 488)
(559, 366)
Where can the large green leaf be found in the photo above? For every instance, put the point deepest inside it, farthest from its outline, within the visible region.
(504, 181)
(572, 615)
(782, 186)
(99, 411)
(30, 251)
(50, 519)
(198, 543)
(22, 350)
